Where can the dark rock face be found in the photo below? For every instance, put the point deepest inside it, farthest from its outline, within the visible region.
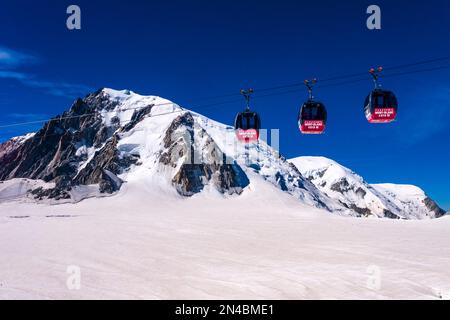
(51, 154)
(192, 178)
(100, 101)
(137, 117)
(281, 181)
(179, 145)
(390, 215)
(433, 206)
(109, 183)
(105, 159)
(341, 186)
(364, 212)
(295, 173)
(231, 179)
(55, 193)
(8, 153)
(193, 175)
(361, 192)
(8, 148)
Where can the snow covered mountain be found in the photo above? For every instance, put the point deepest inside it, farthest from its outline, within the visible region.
(350, 189)
(111, 138)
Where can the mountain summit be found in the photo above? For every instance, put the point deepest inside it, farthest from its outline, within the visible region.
(111, 138)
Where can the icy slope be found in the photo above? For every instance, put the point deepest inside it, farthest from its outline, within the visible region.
(350, 189)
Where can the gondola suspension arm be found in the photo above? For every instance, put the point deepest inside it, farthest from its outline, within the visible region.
(376, 74)
(309, 85)
(247, 93)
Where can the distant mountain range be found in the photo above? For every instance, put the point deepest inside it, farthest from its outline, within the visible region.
(350, 189)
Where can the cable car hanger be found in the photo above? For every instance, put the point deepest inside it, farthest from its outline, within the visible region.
(278, 87)
(380, 106)
(312, 116)
(310, 85)
(247, 123)
(376, 74)
(247, 93)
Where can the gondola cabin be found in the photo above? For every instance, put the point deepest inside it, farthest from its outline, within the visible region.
(381, 106)
(247, 126)
(312, 118)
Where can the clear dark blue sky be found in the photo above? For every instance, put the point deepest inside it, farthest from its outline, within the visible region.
(185, 50)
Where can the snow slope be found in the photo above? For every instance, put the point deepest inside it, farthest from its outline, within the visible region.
(264, 244)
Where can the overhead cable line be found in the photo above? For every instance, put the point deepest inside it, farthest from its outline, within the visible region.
(292, 85)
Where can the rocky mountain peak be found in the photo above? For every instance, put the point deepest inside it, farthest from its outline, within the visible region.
(55, 152)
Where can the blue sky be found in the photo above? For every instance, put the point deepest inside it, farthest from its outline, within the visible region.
(187, 50)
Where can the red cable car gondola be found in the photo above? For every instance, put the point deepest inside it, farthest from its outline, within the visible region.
(312, 116)
(247, 123)
(380, 105)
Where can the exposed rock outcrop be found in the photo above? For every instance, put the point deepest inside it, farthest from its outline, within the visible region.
(203, 163)
(434, 207)
(52, 154)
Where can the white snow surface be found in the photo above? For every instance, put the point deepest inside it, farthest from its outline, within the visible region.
(148, 242)
(263, 245)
